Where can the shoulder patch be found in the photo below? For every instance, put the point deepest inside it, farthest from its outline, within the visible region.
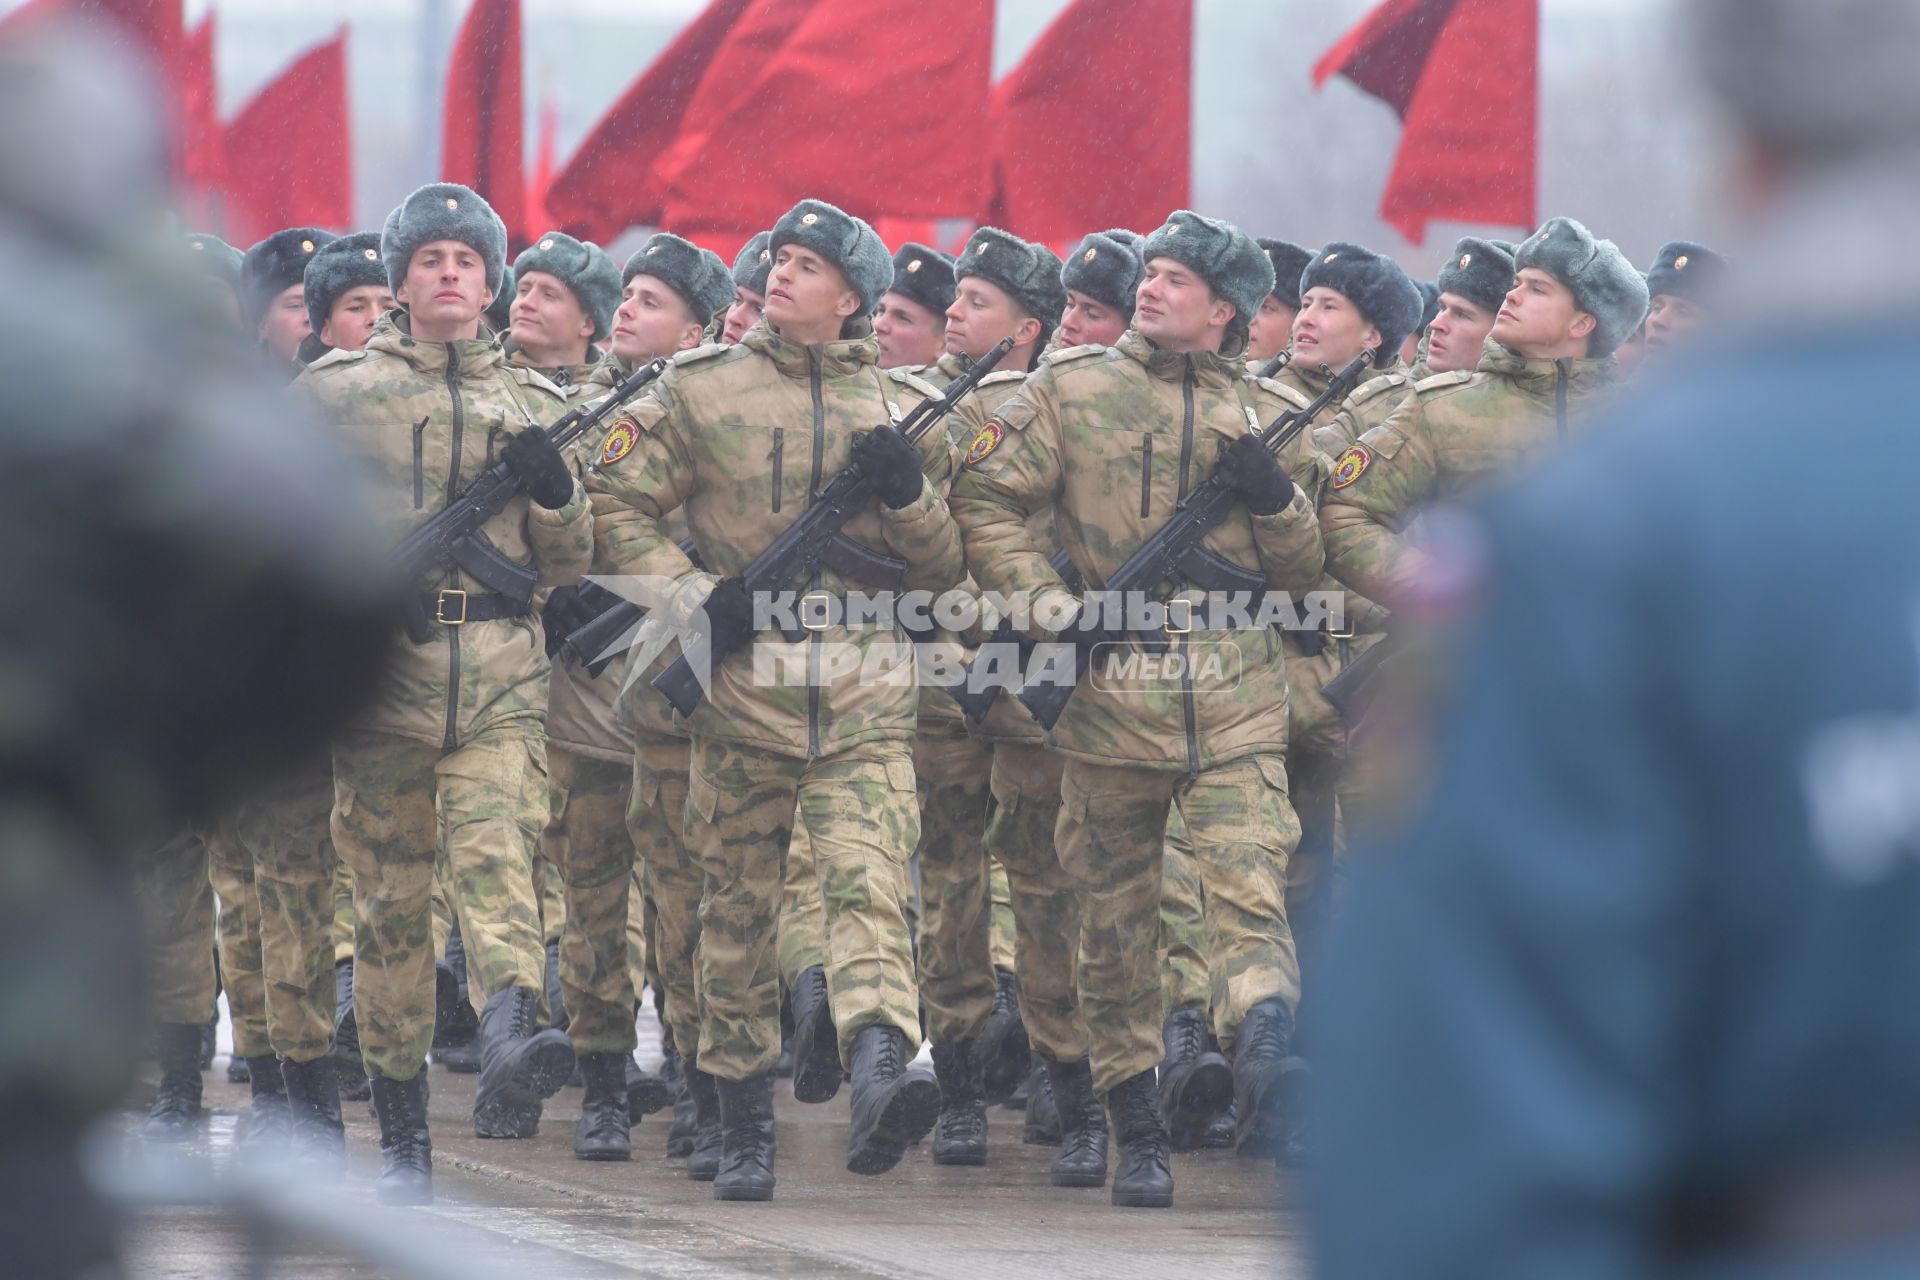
(1374, 386)
(1351, 465)
(1434, 382)
(1292, 395)
(985, 442)
(619, 442)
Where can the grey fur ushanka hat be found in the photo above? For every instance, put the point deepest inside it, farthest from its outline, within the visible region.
(1030, 273)
(343, 265)
(925, 275)
(1373, 282)
(698, 275)
(445, 211)
(753, 264)
(1604, 284)
(276, 264)
(583, 267)
(1684, 269)
(1234, 267)
(1289, 260)
(1107, 269)
(1481, 271)
(842, 239)
(209, 255)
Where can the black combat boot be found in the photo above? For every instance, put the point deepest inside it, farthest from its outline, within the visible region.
(406, 1152)
(1221, 1130)
(703, 1161)
(960, 1137)
(893, 1104)
(238, 1072)
(1143, 1181)
(210, 1036)
(267, 1124)
(680, 1133)
(456, 1028)
(646, 1092)
(346, 1036)
(313, 1103)
(783, 1065)
(521, 1065)
(1196, 1084)
(746, 1137)
(1005, 1054)
(1260, 1048)
(816, 1045)
(556, 998)
(176, 1107)
(1083, 1139)
(602, 1131)
(1043, 1116)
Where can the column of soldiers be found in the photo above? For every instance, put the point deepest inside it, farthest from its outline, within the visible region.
(1102, 921)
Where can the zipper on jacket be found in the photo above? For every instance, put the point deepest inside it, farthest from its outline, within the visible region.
(1561, 368)
(487, 463)
(813, 489)
(1186, 430)
(451, 737)
(1146, 476)
(779, 453)
(419, 464)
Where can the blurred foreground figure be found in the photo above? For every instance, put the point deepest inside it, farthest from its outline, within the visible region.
(1634, 997)
(169, 563)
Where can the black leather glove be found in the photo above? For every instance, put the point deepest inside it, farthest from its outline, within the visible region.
(568, 609)
(1256, 475)
(729, 615)
(892, 464)
(533, 458)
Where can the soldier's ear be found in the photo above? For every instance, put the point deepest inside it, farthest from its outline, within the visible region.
(1222, 313)
(848, 305)
(1373, 339)
(1583, 325)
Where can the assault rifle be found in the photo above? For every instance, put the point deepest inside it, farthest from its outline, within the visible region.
(975, 703)
(815, 540)
(452, 538)
(1177, 551)
(595, 643)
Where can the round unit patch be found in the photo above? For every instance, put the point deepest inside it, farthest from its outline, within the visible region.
(620, 442)
(1351, 465)
(985, 443)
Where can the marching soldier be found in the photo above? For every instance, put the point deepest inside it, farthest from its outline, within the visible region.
(1271, 331)
(565, 294)
(750, 269)
(1099, 289)
(1473, 285)
(911, 322)
(1081, 436)
(273, 289)
(1683, 287)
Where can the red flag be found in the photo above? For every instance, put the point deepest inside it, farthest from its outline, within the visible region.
(202, 141)
(288, 161)
(612, 182)
(876, 106)
(1465, 77)
(1094, 128)
(481, 134)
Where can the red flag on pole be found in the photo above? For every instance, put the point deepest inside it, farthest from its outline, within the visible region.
(612, 182)
(1464, 75)
(481, 142)
(288, 161)
(876, 106)
(1094, 128)
(202, 140)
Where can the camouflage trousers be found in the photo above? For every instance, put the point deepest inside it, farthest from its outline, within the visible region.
(485, 803)
(237, 929)
(342, 893)
(802, 943)
(1112, 841)
(1186, 977)
(1001, 933)
(176, 913)
(550, 886)
(954, 947)
(287, 832)
(861, 818)
(586, 840)
(1044, 902)
(672, 880)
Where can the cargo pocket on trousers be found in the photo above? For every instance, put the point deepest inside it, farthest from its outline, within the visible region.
(1274, 770)
(703, 798)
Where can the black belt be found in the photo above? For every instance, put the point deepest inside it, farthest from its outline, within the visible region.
(453, 607)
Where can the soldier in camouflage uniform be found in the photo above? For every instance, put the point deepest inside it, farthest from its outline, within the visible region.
(176, 911)
(741, 436)
(750, 269)
(1080, 436)
(910, 323)
(272, 290)
(456, 742)
(1271, 331)
(1684, 287)
(1472, 284)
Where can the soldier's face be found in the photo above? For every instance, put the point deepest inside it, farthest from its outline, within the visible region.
(445, 290)
(1456, 335)
(909, 333)
(1089, 322)
(350, 323)
(652, 321)
(806, 292)
(285, 325)
(981, 315)
(1329, 330)
(1538, 318)
(1178, 310)
(1271, 330)
(1672, 319)
(546, 316)
(743, 314)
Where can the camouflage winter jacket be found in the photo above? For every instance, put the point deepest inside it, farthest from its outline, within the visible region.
(742, 436)
(1114, 439)
(1457, 431)
(425, 418)
(574, 380)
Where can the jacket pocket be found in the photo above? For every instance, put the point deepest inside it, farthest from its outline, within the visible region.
(778, 455)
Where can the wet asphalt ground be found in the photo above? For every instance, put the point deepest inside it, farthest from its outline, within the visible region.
(528, 1209)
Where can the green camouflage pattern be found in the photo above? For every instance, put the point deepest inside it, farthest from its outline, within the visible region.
(1101, 434)
(586, 840)
(656, 823)
(175, 899)
(342, 895)
(237, 932)
(287, 831)
(1042, 899)
(1456, 432)
(574, 381)
(396, 801)
(739, 436)
(425, 418)
(1186, 981)
(1112, 841)
(803, 919)
(1001, 937)
(952, 771)
(861, 816)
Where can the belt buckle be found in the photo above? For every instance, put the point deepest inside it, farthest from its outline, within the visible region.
(1347, 634)
(826, 610)
(440, 607)
(1187, 626)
